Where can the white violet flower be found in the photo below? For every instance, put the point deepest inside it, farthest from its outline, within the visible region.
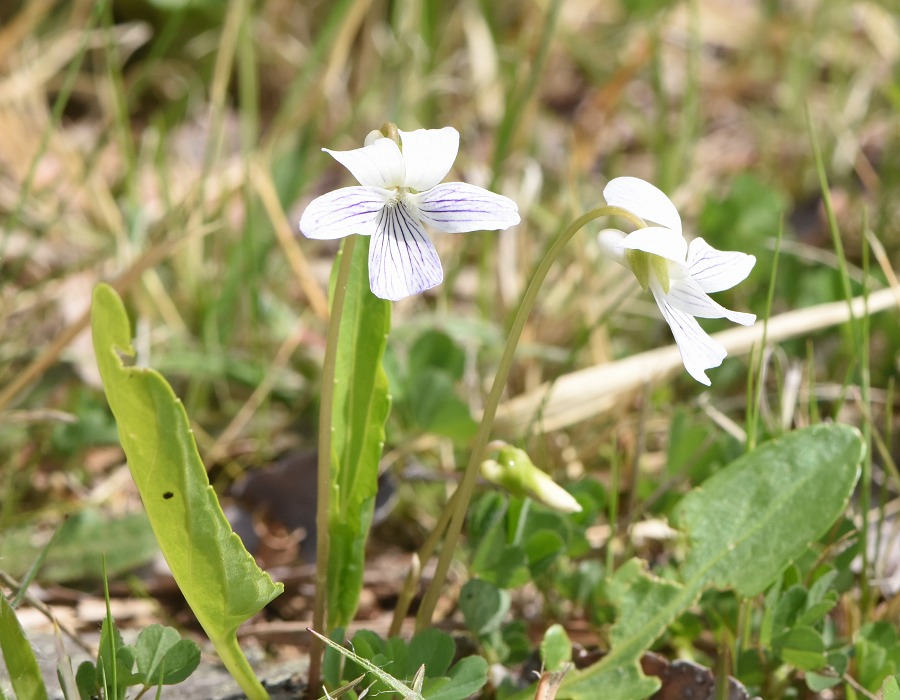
(398, 192)
(680, 276)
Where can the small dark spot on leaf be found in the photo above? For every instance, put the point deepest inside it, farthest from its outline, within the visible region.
(168, 494)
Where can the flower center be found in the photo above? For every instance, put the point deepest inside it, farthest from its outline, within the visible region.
(644, 264)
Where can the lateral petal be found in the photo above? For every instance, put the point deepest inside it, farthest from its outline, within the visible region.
(643, 200)
(429, 155)
(377, 165)
(342, 212)
(456, 207)
(687, 296)
(659, 241)
(715, 270)
(402, 261)
(698, 351)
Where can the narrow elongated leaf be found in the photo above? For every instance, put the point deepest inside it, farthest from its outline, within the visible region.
(746, 523)
(361, 408)
(21, 664)
(218, 577)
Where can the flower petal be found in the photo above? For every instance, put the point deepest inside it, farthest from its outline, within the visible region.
(715, 270)
(610, 241)
(429, 155)
(643, 200)
(687, 296)
(660, 241)
(402, 261)
(698, 351)
(377, 165)
(342, 212)
(456, 207)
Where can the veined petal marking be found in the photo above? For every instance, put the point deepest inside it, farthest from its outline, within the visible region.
(457, 207)
(716, 270)
(343, 212)
(402, 260)
(687, 296)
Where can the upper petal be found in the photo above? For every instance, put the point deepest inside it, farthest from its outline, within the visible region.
(715, 270)
(402, 261)
(429, 155)
(377, 165)
(660, 241)
(643, 200)
(687, 296)
(698, 351)
(456, 207)
(342, 212)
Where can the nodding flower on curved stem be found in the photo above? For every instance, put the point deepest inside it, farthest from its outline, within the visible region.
(399, 172)
(680, 276)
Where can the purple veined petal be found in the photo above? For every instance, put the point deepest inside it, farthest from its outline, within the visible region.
(402, 261)
(377, 165)
(715, 270)
(343, 212)
(660, 241)
(456, 207)
(610, 242)
(687, 296)
(643, 200)
(698, 351)
(428, 155)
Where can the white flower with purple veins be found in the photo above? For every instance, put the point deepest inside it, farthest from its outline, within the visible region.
(680, 276)
(399, 192)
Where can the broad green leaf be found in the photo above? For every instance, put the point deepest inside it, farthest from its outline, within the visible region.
(432, 648)
(395, 685)
(361, 407)
(218, 577)
(802, 647)
(556, 648)
(86, 680)
(435, 406)
(750, 520)
(746, 523)
(21, 664)
(467, 677)
(436, 350)
(891, 689)
(483, 606)
(163, 658)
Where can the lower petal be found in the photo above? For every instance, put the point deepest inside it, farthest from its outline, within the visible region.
(698, 351)
(457, 207)
(686, 296)
(402, 261)
(343, 212)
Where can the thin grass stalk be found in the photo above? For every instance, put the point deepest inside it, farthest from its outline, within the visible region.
(467, 484)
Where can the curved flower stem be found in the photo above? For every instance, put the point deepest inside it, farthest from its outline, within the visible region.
(463, 494)
(326, 404)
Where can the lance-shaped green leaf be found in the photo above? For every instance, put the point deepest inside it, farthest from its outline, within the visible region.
(218, 577)
(21, 664)
(745, 525)
(361, 407)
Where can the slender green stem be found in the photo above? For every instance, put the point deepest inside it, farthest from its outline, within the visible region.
(466, 486)
(233, 658)
(326, 407)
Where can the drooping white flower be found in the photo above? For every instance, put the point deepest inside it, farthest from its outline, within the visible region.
(398, 192)
(680, 276)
